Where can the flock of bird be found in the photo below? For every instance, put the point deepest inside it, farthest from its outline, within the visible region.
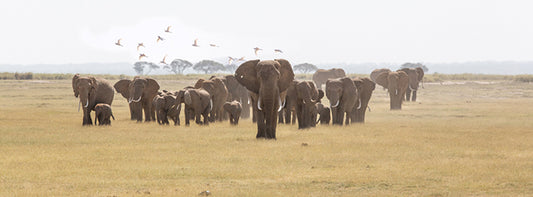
(194, 44)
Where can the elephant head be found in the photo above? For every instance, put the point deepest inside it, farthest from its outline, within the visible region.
(365, 87)
(307, 97)
(267, 81)
(413, 78)
(85, 88)
(342, 95)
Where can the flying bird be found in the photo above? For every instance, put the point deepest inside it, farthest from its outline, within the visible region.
(256, 49)
(159, 38)
(230, 60)
(140, 45)
(168, 29)
(195, 44)
(163, 61)
(213, 45)
(118, 42)
(241, 59)
(278, 51)
(142, 55)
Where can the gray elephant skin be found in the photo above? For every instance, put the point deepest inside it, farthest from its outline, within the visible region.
(103, 114)
(342, 95)
(234, 110)
(91, 91)
(267, 81)
(307, 97)
(365, 87)
(415, 77)
(198, 101)
(140, 93)
(218, 92)
(397, 84)
(321, 75)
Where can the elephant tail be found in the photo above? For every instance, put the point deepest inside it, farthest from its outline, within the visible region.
(113, 116)
(187, 97)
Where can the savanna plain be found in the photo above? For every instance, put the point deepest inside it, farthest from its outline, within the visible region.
(461, 138)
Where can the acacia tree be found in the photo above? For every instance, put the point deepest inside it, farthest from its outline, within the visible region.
(230, 68)
(414, 65)
(177, 66)
(140, 65)
(208, 66)
(305, 68)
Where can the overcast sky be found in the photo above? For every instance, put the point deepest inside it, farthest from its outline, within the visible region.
(81, 31)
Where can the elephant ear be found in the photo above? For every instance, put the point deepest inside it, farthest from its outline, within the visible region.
(403, 81)
(286, 74)
(151, 86)
(219, 83)
(348, 85)
(199, 83)
(420, 73)
(315, 94)
(75, 85)
(122, 87)
(358, 83)
(383, 79)
(368, 83)
(94, 83)
(246, 75)
(170, 101)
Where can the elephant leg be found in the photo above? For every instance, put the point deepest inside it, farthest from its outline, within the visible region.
(147, 113)
(280, 116)
(261, 127)
(414, 96)
(87, 117)
(132, 117)
(187, 118)
(408, 94)
(236, 119)
(300, 116)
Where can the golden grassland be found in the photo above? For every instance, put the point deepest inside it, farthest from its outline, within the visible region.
(459, 139)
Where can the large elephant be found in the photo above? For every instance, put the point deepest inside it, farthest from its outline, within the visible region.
(374, 74)
(140, 94)
(342, 95)
(415, 77)
(267, 82)
(288, 113)
(321, 75)
(199, 101)
(218, 92)
(238, 92)
(91, 91)
(307, 97)
(396, 83)
(365, 87)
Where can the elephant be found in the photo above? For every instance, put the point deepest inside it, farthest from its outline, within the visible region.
(91, 91)
(288, 113)
(321, 75)
(218, 92)
(374, 75)
(415, 77)
(396, 83)
(199, 101)
(342, 95)
(167, 105)
(103, 114)
(307, 97)
(324, 112)
(234, 109)
(238, 92)
(365, 87)
(140, 93)
(267, 82)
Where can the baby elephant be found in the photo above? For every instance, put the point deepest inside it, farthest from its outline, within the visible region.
(103, 114)
(234, 109)
(324, 112)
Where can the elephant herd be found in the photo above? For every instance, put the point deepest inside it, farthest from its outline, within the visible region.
(267, 86)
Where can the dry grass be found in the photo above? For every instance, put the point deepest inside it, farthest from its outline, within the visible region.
(457, 140)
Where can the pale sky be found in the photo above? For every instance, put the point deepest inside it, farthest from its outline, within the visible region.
(82, 31)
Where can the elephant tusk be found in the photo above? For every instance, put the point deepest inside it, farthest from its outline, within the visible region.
(336, 104)
(410, 88)
(359, 107)
(135, 101)
(86, 104)
(259, 104)
(396, 92)
(281, 104)
(129, 100)
(210, 105)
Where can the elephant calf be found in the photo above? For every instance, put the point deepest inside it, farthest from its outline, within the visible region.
(234, 109)
(324, 112)
(103, 114)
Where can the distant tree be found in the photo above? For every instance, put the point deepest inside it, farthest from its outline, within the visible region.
(305, 68)
(230, 68)
(139, 67)
(208, 66)
(415, 65)
(177, 66)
